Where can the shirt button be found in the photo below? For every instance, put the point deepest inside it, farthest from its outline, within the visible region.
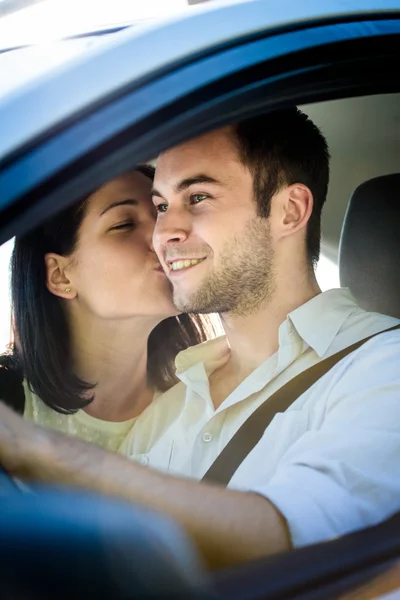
(207, 437)
(144, 461)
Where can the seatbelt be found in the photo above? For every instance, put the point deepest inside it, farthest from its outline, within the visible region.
(251, 431)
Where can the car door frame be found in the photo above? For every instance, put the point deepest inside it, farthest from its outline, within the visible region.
(356, 54)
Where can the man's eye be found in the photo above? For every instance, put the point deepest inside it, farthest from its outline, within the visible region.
(196, 198)
(162, 208)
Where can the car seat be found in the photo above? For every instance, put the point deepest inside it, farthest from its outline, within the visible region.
(369, 252)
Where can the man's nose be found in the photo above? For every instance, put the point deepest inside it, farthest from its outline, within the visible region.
(172, 227)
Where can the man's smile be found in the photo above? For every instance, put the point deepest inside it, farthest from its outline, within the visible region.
(181, 264)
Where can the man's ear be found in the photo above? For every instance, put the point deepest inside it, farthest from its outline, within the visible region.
(57, 280)
(297, 206)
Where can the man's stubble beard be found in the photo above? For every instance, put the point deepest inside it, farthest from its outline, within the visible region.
(243, 282)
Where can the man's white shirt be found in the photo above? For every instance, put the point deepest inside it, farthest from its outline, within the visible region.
(331, 462)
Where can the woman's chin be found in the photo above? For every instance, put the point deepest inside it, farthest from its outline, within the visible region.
(172, 312)
(162, 312)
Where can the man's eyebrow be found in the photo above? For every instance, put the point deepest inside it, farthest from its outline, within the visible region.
(127, 202)
(186, 183)
(155, 192)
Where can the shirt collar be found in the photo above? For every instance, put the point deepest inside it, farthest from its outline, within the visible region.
(317, 322)
(212, 353)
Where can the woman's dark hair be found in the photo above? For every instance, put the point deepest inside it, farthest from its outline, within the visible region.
(42, 342)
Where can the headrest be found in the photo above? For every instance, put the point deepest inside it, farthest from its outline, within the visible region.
(369, 256)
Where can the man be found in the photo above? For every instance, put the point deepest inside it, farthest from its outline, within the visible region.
(238, 233)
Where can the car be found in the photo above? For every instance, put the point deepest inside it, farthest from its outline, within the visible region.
(82, 123)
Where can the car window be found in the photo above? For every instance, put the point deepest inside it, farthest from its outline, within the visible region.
(349, 125)
(349, 128)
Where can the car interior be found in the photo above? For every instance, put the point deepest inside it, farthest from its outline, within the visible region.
(359, 219)
(108, 550)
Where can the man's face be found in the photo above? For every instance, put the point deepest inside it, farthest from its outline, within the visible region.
(214, 248)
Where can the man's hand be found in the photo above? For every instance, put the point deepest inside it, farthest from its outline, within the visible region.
(35, 453)
(228, 527)
(19, 441)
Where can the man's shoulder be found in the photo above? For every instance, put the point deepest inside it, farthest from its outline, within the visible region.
(360, 325)
(386, 340)
(372, 368)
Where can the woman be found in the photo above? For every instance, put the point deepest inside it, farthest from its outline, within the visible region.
(96, 333)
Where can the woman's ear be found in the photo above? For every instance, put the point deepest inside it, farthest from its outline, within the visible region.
(57, 280)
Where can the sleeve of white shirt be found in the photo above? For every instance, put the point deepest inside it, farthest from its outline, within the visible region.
(345, 474)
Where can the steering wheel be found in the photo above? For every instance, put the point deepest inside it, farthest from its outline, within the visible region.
(70, 544)
(9, 485)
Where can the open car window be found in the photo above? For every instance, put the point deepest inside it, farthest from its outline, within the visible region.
(342, 72)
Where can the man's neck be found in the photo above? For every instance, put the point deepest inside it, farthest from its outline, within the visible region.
(113, 355)
(254, 338)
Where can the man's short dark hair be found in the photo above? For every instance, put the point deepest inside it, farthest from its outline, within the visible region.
(283, 148)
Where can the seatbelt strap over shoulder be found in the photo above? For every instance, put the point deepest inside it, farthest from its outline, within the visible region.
(250, 433)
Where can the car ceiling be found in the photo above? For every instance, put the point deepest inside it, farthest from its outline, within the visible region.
(364, 140)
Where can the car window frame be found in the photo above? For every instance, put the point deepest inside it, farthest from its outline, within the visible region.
(133, 127)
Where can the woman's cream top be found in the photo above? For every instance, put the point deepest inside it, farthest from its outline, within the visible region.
(107, 434)
(137, 438)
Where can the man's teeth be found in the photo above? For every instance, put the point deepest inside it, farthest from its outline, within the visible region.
(183, 264)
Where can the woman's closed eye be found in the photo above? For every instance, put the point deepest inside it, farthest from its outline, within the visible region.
(123, 225)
